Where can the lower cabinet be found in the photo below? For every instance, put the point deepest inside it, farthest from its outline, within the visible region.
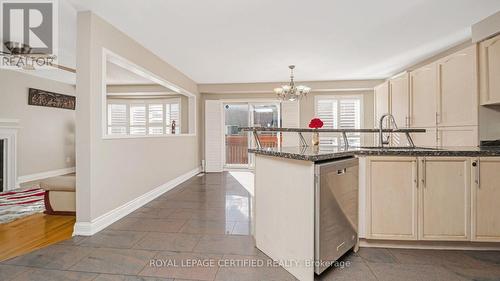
(392, 198)
(444, 198)
(433, 198)
(486, 200)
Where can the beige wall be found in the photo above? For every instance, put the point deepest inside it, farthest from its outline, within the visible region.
(47, 135)
(112, 172)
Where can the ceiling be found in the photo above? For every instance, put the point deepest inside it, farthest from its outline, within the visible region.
(117, 75)
(233, 41)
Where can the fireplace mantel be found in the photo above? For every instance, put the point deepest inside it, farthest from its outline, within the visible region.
(9, 132)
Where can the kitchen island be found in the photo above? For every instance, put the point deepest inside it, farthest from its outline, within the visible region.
(408, 197)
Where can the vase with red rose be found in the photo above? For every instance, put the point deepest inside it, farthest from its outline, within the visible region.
(315, 123)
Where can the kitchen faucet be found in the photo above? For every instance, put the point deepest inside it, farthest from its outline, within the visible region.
(381, 127)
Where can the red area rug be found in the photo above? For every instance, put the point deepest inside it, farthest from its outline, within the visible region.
(21, 203)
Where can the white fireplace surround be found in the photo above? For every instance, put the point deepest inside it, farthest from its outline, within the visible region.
(8, 132)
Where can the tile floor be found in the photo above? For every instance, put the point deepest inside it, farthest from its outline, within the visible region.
(207, 221)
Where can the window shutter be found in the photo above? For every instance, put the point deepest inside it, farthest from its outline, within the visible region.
(339, 113)
(349, 118)
(172, 113)
(327, 112)
(137, 119)
(155, 119)
(117, 119)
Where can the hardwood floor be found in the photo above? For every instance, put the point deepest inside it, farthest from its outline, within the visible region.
(33, 232)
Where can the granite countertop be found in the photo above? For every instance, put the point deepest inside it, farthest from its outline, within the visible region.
(322, 153)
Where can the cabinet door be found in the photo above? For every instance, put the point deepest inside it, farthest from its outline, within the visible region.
(489, 70)
(391, 198)
(458, 136)
(429, 138)
(423, 96)
(400, 100)
(381, 93)
(485, 200)
(444, 205)
(457, 89)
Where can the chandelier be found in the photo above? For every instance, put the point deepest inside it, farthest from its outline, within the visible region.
(291, 92)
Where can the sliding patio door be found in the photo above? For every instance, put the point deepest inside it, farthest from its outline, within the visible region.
(256, 114)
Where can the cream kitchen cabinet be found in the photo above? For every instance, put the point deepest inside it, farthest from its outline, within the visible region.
(485, 200)
(457, 101)
(391, 193)
(400, 99)
(444, 198)
(423, 96)
(429, 138)
(489, 71)
(382, 107)
(457, 136)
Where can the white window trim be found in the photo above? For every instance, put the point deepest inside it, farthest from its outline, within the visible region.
(347, 97)
(121, 61)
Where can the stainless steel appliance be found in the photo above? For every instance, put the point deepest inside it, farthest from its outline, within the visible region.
(336, 211)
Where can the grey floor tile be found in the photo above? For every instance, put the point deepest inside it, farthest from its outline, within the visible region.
(147, 224)
(376, 255)
(488, 257)
(54, 275)
(180, 265)
(152, 213)
(207, 227)
(435, 257)
(172, 204)
(411, 272)
(119, 261)
(73, 241)
(55, 256)
(348, 271)
(114, 239)
(476, 274)
(115, 277)
(242, 228)
(226, 244)
(247, 272)
(9, 272)
(168, 241)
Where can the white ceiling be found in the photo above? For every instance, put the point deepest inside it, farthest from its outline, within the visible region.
(228, 41)
(117, 75)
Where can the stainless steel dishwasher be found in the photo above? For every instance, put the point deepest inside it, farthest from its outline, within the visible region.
(336, 211)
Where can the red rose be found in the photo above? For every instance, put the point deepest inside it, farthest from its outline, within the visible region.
(315, 123)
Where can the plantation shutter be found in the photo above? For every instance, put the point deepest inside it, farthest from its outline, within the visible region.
(172, 113)
(214, 140)
(155, 119)
(137, 119)
(117, 119)
(349, 118)
(327, 111)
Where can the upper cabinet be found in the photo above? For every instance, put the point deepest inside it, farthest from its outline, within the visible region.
(457, 103)
(423, 96)
(489, 71)
(381, 101)
(400, 99)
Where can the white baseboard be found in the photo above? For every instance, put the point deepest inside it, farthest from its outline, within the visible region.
(44, 175)
(98, 224)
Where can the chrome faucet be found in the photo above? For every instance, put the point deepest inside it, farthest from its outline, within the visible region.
(381, 128)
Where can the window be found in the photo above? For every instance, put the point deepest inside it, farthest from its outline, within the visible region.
(117, 119)
(339, 112)
(144, 118)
